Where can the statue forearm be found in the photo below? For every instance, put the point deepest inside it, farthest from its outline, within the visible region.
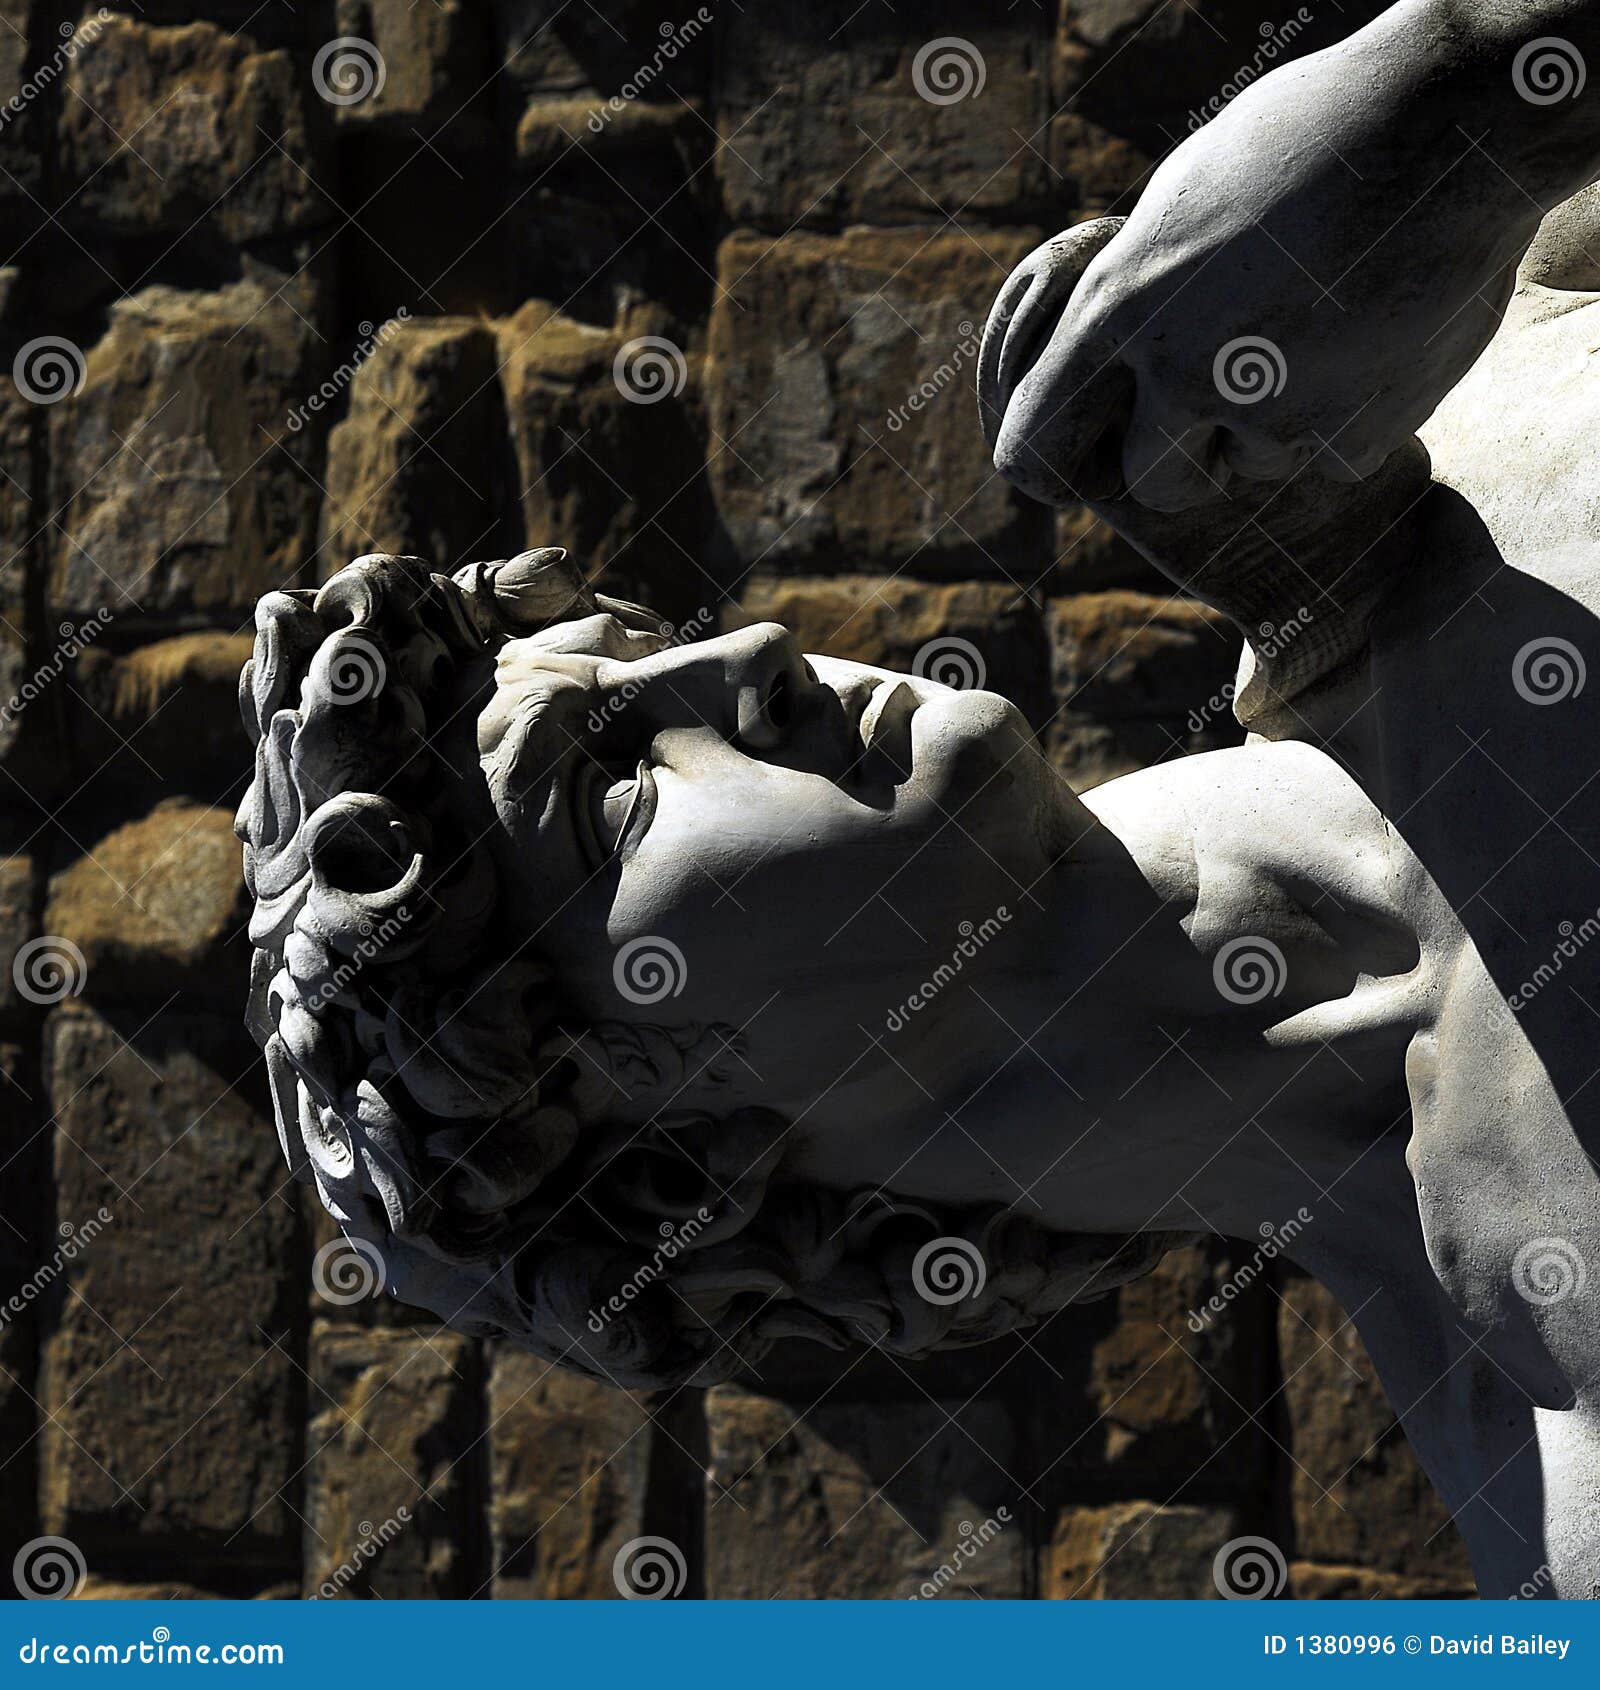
(1347, 231)
(1516, 76)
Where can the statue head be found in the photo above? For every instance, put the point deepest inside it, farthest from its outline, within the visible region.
(576, 942)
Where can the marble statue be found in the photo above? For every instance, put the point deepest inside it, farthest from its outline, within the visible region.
(647, 1001)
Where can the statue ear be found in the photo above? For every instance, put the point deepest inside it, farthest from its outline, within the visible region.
(643, 1064)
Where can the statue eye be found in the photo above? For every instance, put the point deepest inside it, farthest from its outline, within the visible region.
(612, 810)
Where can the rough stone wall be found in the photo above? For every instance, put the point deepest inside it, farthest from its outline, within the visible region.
(259, 314)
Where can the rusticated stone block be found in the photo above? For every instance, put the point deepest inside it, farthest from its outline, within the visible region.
(19, 922)
(276, 26)
(840, 377)
(973, 633)
(902, 1499)
(411, 469)
(21, 460)
(839, 112)
(93, 1589)
(165, 714)
(394, 1467)
(613, 141)
(431, 69)
(618, 205)
(162, 128)
(1170, 1401)
(1311, 1582)
(609, 448)
(1138, 677)
(1359, 1496)
(1095, 171)
(28, 1245)
(174, 468)
(1139, 654)
(22, 22)
(157, 906)
(174, 1396)
(579, 1471)
(548, 48)
(1091, 556)
(1137, 1551)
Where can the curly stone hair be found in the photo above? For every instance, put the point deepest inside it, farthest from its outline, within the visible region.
(425, 1071)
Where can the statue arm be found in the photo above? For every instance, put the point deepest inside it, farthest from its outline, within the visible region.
(1309, 274)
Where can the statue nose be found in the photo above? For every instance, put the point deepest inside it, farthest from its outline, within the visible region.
(743, 684)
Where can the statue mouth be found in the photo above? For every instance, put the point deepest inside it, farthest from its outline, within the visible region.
(877, 745)
(885, 729)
